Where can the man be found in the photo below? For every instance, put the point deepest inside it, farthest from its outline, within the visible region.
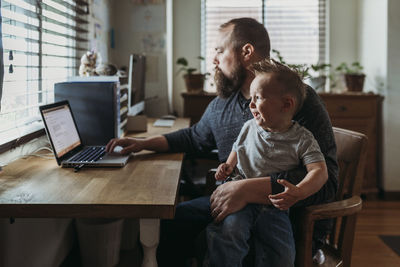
(241, 42)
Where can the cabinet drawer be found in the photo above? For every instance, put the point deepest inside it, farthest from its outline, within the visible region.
(350, 107)
(360, 112)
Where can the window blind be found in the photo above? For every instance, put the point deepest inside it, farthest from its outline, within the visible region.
(42, 44)
(297, 28)
(1, 59)
(216, 12)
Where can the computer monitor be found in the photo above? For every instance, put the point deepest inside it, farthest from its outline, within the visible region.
(136, 82)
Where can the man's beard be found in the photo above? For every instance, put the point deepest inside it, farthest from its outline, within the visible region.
(227, 86)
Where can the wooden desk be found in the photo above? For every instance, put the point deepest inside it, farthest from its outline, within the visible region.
(145, 188)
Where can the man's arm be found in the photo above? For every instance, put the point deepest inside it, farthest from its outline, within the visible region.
(235, 195)
(316, 177)
(156, 143)
(197, 138)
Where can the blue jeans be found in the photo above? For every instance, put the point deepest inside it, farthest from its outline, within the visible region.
(271, 232)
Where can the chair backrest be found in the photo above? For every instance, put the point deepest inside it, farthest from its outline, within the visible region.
(351, 155)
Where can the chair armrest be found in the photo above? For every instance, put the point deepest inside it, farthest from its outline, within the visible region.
(304, 219)
(334, 209)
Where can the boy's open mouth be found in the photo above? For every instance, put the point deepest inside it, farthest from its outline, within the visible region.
(256, 114)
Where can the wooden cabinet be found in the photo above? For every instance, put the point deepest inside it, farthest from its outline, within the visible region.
(194, 105)
(361, 112)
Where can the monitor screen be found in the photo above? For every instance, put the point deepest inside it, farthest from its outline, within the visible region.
(137, 79)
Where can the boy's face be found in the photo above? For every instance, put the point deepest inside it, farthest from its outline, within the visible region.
(266, 102)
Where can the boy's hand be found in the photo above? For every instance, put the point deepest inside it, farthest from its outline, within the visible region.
(223, 171)
(287, 198)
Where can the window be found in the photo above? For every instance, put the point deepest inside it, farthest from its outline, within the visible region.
(42, 41)
(296, 28)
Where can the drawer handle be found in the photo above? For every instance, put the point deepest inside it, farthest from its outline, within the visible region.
(342, 108)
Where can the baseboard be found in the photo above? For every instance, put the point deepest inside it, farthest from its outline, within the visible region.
(391, 196)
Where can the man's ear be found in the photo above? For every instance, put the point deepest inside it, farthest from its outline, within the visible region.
(247, 52)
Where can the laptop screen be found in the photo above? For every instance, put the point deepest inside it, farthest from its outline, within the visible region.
(61, 129)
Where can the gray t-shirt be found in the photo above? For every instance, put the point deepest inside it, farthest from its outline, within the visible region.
(261, 153)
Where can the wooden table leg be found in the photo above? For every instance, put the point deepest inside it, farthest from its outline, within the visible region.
(149, 238)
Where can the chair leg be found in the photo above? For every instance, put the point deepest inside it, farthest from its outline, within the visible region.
(347, 238)
(304, 249)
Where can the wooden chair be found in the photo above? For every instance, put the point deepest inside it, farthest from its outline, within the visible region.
(351, 155)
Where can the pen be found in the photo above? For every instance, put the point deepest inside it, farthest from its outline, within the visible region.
(77, 168)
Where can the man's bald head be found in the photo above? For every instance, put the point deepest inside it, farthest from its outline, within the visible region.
(248, 30)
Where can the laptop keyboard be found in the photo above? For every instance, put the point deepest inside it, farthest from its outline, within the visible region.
(90, 154)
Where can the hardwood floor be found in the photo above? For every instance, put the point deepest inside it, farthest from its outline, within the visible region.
(376, 218)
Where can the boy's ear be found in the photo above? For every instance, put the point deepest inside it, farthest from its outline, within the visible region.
(247, 52)
(289, 103)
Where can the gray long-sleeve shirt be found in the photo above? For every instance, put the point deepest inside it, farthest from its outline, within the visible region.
(223, 119)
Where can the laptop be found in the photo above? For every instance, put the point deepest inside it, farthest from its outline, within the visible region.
(67, 144)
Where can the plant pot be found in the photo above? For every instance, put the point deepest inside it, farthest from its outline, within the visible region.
(354, 82)
(194, 82)
(317, 83)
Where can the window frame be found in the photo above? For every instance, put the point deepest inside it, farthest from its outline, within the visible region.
(323, 38)
(80, 5)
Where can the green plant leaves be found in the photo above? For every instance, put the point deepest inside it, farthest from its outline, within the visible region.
(184, 65)
(182, 61)
(354, 68)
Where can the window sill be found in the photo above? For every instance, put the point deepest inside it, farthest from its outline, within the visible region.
(21, 140)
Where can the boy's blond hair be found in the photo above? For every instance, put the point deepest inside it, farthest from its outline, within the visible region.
(288, 78)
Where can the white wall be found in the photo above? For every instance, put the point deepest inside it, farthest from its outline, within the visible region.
(392, 101)
(141, 29)
(99, 36)
(186, 39)
(373, 43)
(373, 49)
(343, 37)
(369, 31)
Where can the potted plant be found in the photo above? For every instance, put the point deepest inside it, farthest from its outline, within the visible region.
(317, 80)
(302, 69)
(313, 75)
(353, 75)
(194, 81)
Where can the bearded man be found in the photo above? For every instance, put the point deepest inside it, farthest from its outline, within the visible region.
(240, 43)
